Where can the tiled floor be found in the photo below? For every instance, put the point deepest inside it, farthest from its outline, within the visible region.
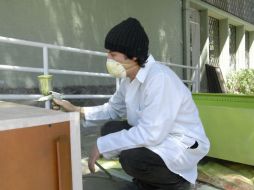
(100, 180)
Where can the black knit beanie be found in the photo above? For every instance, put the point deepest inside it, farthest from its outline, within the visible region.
(129, 38)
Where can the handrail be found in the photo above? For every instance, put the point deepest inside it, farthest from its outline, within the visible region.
(54, 71)
(50, 46)
(45, 70)
(65, 96)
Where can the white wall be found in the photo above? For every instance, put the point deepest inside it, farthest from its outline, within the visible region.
(82, 24)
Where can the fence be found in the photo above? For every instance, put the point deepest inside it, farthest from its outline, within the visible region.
(195, 80)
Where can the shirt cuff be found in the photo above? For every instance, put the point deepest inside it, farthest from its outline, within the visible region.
(101, 145)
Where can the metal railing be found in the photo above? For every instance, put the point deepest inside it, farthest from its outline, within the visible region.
(195, 78)
(45, 70)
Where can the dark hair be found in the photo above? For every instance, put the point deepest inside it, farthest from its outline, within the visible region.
(141, 59)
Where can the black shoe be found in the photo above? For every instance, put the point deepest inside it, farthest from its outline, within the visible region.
(129, 186)
(185, 185)
(142, 186)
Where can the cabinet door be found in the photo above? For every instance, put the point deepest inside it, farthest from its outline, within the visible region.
(36, 158)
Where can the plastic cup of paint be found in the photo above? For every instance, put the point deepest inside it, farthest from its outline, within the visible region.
(45, 84)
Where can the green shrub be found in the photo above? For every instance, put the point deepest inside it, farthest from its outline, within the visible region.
(241, 82)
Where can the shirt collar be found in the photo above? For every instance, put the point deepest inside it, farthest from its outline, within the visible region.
(143, 71)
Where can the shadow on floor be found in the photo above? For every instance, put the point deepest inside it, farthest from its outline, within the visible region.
(100, 181)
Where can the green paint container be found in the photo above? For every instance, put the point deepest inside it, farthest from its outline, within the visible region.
(229, 124)
(45, 84)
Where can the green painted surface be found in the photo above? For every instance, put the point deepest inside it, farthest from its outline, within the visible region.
(229, 123)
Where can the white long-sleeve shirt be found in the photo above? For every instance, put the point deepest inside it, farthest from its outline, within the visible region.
(163, 115)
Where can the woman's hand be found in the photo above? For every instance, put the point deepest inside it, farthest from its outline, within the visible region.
(94, 156)
(66, 105)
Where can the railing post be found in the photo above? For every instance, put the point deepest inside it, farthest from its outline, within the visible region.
(46, 70)
(198, 77)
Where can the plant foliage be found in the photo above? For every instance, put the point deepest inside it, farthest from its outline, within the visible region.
(241, 82)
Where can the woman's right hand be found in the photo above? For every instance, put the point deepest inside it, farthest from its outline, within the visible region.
(66, 105)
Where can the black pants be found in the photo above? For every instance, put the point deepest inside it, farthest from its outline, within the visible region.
(147, 168)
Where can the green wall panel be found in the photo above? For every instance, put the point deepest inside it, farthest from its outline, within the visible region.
(229, 123)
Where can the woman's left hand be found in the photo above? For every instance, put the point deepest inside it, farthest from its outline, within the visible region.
(94, 156)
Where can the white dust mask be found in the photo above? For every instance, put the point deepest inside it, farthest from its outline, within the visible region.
(115, 68)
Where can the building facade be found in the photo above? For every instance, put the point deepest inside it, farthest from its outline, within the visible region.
(183, 32)
(226, 34)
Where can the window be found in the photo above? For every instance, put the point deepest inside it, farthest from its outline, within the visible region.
(214, 45)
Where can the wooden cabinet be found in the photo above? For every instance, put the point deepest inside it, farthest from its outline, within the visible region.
(39, 149)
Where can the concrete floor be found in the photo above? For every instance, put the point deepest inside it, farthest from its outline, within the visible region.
(100, 180)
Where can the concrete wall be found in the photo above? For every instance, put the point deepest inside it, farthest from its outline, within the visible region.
(251, 52)
(82, 24)
(240, 48)
(224, 59)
